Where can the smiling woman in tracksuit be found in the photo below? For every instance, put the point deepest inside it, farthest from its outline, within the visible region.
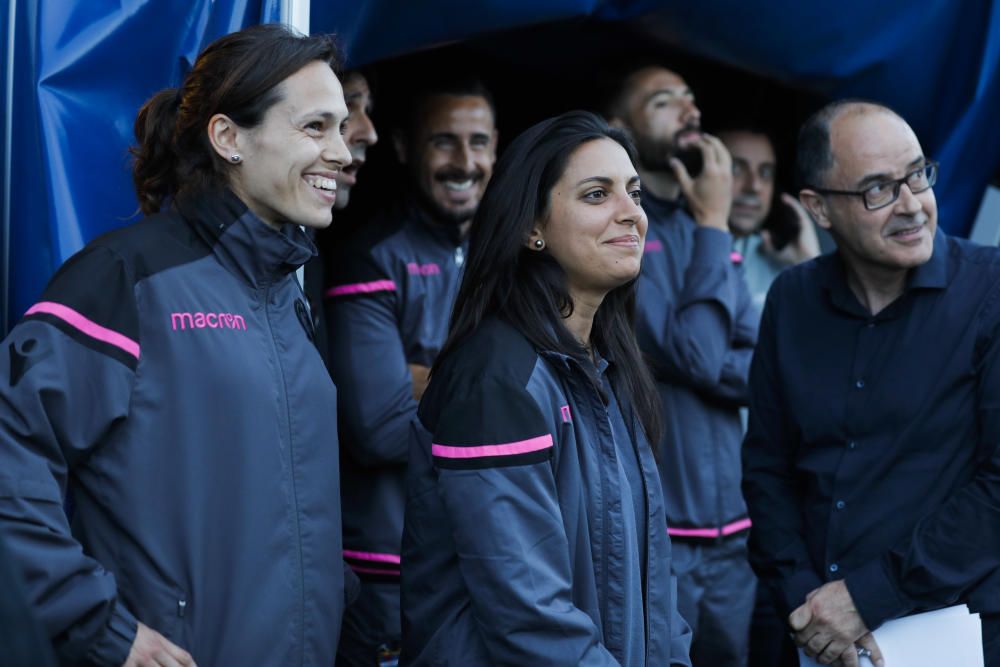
(166, 383)
(535, 532)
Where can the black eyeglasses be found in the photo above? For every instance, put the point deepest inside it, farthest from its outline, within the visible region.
(882, 194)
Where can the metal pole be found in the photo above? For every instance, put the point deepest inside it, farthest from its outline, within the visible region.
(8, 152)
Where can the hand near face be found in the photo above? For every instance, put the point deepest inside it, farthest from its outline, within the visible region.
(828, 625)
(709, 195)
(151, 649)
(804, 247)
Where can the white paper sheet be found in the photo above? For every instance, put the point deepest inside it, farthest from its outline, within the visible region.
(950, 636)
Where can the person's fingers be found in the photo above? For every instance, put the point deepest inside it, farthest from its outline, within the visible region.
(835, 651)
(681, 174)
(183, 658)
(163, 659)
(817, 645)
(800, 618)
(868, 642)
(849, 657)
(715, 147)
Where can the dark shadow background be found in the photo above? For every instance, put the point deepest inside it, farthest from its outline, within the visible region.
(542, 71)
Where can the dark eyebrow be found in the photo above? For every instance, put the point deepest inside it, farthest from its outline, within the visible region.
(604, 180)
(634, 180)
(871, 179)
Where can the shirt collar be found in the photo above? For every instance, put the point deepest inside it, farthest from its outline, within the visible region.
(935, 273)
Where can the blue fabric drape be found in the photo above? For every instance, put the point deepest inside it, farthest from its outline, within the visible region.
(82, 68)
(81, 71)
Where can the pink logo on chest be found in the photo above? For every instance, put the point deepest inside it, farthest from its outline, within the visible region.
(653, 245)
(184, 321)
(415, 269)
(566, 416)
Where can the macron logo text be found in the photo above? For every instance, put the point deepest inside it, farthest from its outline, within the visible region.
(210, 320)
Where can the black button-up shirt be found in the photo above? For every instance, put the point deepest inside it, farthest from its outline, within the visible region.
(872, 453)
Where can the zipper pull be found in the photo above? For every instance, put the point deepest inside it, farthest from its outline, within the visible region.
(459, 256)
(181, 606)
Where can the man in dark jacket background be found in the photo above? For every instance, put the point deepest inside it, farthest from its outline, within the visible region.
(697, 327)
(388, 306)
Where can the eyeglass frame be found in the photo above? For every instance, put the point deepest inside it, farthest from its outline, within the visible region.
(896, 183)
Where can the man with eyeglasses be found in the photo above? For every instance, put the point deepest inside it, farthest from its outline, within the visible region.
(871, 465)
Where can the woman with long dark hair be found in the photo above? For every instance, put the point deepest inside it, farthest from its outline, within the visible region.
(166, 383)
(535, 532)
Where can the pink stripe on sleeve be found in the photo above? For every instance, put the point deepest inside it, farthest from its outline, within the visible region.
(693, 532)
(736, 526)
(506, 449)
(362, 288)
(735, 257)
(81, 323)
(374, 557)
(728, 529)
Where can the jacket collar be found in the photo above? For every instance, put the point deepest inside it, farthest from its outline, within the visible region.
(242, 242)
(662, 209)
(445, 234)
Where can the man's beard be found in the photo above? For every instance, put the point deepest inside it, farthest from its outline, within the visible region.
(655, 154)
(450, 216)
(444, 215)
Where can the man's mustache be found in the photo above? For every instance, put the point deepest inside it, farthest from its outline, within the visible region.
(459, 175)
(748, 201)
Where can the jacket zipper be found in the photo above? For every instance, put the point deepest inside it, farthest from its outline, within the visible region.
(291, 474)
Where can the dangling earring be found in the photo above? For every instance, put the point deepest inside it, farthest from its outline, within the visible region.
(235, 158)
(539, 244)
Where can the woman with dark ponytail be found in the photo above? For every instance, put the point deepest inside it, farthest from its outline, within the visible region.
(535, 532)
(166, 389)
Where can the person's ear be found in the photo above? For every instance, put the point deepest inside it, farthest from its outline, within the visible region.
(816, 205)
(226, 137)
(535, 239)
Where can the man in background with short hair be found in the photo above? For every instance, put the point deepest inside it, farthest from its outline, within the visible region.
(765, 251)
(388, 304)
(697, 326)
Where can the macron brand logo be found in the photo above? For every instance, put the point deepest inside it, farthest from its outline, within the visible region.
(415, 269)
(210, 320)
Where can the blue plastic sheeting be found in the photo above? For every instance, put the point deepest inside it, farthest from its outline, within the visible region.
(937, 61)
(82, 69)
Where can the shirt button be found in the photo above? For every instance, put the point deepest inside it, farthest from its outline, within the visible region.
(871, 325)
(860, 384)
(834, 567)
(852, 445)
(840, 504)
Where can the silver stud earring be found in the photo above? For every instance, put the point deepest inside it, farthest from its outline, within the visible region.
(539, 244)
(235, 158)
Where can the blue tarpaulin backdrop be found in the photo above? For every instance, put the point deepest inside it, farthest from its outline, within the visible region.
(80, 69)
